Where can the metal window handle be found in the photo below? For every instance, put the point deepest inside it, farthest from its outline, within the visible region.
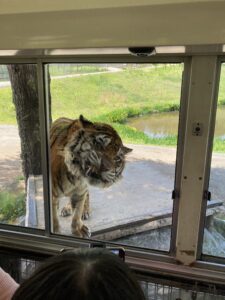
(207, 195)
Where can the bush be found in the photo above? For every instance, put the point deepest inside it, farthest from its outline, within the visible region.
(12, 206)
(121, 115)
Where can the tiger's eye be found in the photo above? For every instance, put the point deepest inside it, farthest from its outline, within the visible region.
(97, 145)
(117, 159)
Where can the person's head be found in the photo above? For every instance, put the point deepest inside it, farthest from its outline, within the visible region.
(84, 274)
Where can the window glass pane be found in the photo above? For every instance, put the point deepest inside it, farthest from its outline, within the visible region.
(214, 234)
(21, 191)
(141, 102)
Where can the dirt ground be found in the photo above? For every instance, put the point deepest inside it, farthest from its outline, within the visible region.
(10, 163)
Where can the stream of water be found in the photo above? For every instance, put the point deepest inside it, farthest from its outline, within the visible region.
(166, 124)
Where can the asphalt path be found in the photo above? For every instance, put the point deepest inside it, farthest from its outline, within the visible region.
(144, 191)
(109, 70)
(145, 164)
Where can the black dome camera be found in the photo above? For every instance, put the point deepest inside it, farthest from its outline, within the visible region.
(142, 51)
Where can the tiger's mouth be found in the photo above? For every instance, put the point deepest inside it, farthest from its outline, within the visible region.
(94, 175)
(95, 178)
(98, 181)
(100, 178)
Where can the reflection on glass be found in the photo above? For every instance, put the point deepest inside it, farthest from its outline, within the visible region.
(214, 234)
(137, 207)
(21, 191)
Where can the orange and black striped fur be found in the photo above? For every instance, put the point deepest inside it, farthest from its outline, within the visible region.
(82, 153)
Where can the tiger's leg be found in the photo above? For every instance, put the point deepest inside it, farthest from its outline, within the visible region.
(55, 205)
(86, 210)
(67, 209)
(77, 226)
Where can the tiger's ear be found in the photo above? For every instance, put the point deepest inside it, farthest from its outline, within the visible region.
(85, 122)
(126, 150)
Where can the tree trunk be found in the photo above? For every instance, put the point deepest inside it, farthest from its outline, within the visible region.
(23, 79)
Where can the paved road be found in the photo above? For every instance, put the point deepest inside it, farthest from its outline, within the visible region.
(110, 70)
(145, 189)
(145, 163)
(4, 84)
(10, 164)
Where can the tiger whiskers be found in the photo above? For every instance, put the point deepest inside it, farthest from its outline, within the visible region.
(94, 159)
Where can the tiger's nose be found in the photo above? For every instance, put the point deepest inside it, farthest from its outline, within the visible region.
(106, 164)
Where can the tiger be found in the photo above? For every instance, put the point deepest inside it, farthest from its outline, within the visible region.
(82, 153)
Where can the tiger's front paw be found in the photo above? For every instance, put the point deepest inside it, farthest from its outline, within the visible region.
(80, 230)
(66, 210)
(85, 215)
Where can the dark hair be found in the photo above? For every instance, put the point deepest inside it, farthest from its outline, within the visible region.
(85, 274)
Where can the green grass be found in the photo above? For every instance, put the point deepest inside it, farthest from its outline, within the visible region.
(12, 206)
(218, 145)
(101, 94)
(7, 108)
(133, 136)
(135, 90)
(121, 115)
(221, 99)
(115, 97)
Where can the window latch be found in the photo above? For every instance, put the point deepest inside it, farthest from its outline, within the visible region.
(207, 195)
(175, 194)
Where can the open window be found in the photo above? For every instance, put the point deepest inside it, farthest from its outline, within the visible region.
(141, 102)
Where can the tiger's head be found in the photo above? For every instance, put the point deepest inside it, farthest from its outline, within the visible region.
(96, 152)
